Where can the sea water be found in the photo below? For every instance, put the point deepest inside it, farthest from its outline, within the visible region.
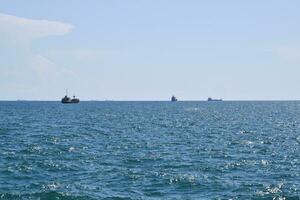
(150, 150)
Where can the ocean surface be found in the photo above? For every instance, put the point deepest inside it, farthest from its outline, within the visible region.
(150, 150)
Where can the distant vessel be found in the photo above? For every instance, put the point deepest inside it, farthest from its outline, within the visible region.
(173, 99)
(67, 99)
(211, 99)
(21, 100)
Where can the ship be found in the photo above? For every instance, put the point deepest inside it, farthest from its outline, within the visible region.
(211, 99)
(174, 99)
(67, 99)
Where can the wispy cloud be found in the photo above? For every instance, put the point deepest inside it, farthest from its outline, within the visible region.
(20, 64)
(23, 28)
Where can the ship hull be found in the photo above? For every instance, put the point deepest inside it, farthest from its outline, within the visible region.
(67, 99)
(70, 100)
(67, 102)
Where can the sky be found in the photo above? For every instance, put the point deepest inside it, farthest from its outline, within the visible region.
(150, 49)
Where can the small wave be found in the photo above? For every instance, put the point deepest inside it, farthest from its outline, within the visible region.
(240, 164)
(192, 109)
(274, 191)
(189, 179)
(71, 149)
(43, 196)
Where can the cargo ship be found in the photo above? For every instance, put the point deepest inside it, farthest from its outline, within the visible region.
(174, 99)
(211, 99)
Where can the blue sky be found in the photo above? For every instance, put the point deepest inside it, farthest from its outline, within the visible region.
(150, 50)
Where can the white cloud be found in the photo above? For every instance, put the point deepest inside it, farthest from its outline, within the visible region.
(20, 65)
(27, 29)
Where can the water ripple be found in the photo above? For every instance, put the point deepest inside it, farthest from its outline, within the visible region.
(150, 150)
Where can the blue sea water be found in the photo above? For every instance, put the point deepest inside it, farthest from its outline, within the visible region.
(150, 150)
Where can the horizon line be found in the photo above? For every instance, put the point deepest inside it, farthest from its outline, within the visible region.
(132, 100)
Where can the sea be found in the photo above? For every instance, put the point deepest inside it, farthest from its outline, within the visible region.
(150, 150)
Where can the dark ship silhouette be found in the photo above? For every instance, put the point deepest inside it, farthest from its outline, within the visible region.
(211, 99)
(67, 99)
(173, 99)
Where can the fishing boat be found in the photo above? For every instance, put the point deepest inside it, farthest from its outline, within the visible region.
(67, 99)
